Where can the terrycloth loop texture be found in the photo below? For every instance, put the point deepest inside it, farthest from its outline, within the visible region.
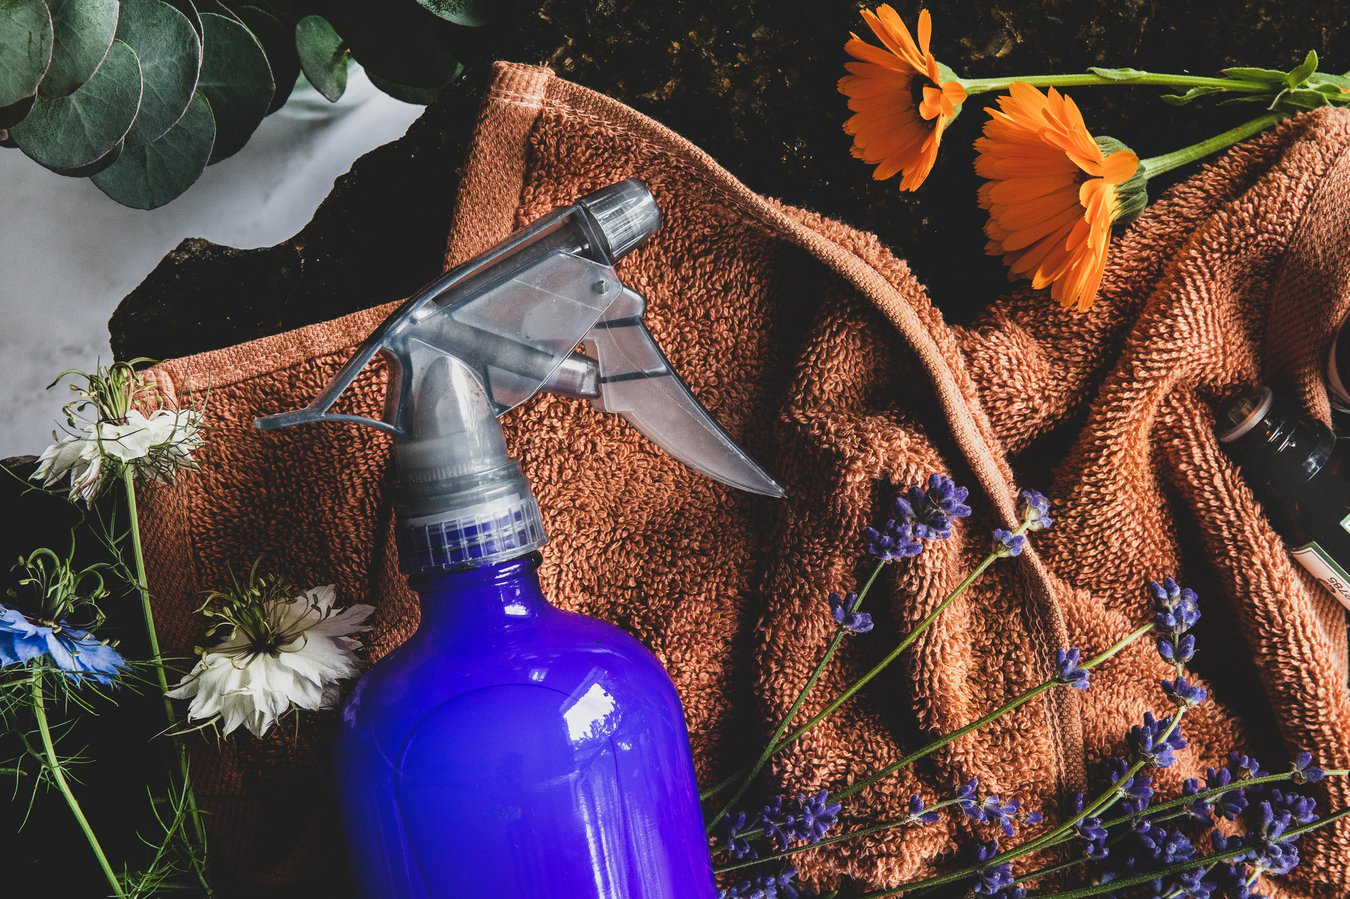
(821, 352)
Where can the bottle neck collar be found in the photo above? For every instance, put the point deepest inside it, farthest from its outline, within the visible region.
(492, 595)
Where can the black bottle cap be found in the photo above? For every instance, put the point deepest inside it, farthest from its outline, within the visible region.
(1272, 439)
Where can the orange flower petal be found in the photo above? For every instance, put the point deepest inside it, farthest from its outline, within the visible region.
(894, 126)
(1050, 193)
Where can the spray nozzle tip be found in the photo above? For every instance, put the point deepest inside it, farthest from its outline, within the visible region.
(626, 213)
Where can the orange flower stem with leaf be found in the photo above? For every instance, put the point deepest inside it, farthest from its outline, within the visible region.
(1156, 165)
(1135, 78)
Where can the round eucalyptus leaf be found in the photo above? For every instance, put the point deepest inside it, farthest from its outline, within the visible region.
(147, 177)
(423, 96)
(82, 33)
(401, 43)
(170, 56)
(15, 113)
(97, 165)
(235, 79)
(69, 132)
(25, 48)
(280, 49)
(472, 13)
(323, 58)
(190, 11)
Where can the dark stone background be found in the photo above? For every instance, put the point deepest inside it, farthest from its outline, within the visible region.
(751, 82)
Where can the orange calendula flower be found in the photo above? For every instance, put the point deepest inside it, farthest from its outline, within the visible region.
(901, 103)
(1053, 192)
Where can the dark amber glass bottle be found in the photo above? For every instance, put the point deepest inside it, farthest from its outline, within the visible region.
(1298, 470)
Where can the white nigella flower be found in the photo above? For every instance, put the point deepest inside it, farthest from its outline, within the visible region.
(278, 652)
(117, 436)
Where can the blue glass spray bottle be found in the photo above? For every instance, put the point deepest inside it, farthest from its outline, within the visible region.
(510, 749)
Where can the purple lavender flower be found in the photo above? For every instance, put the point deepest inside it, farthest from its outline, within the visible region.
(1007, 544)
(1176, 610)
(1245, 766)
(1136, 791)
(732, 829)
(1198, 809)
(1164, 845)
(994, 878)
(1068, 671)
(805, 818)
(1147, 741)
(1184, 694)
(1192, 885)
(1000, 814)
(76, 652)
(919, 813)
(1230, 804)
(1305, 771)
(933, 510)
(965, 799)
(895, 540)
(1176, 651)
(1094, 837)
(842, 609)
(1034, 509)
(765, 886)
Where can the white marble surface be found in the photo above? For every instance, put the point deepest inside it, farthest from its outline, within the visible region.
(68, 254)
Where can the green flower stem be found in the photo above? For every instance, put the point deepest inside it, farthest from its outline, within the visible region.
(53, 765)
(1053, 837)
(894, 653)
(837, 838)
(157, 661)
(1157, 165)
(1012, 704)
(1089, 79)
(773, 745)
(1182, 867)
(143, 589)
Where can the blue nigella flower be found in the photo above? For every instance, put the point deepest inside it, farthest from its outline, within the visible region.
(933, 510)
(919, 813)
(1034, 509)
(842, 610)
(1183, 693)
(1147, 742)
(1067, 670)
(1007, 544)
(1305, 771)
(76, 652)
(895, 540)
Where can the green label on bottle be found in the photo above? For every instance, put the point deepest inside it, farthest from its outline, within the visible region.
(1326, 569)
(1345, 524)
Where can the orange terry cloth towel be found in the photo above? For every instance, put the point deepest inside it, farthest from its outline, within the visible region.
(821, 353)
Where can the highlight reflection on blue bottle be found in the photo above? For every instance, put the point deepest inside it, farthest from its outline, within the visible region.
(511, 749)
